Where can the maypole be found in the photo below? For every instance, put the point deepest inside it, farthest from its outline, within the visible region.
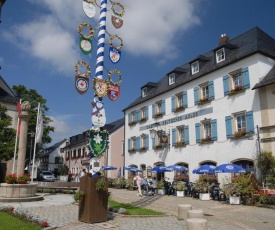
(98, 138)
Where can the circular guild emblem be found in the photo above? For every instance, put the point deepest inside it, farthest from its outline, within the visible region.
(82, 84)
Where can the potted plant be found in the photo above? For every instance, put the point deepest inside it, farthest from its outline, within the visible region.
(11, 179)
(78, 196)
(160, 187)
(23, 179)
(101, 184)
(239, 133)
(129, 183)
(180, 189)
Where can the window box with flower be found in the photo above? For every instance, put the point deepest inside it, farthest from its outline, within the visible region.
(158, 115)
(143, 120)
(204, 100)
(132, 123)
(158, 146)
(180, 108)
(180, 144)
(132, 150)
(239, 134)
(236, 90)
(207, 139)
(142, 149)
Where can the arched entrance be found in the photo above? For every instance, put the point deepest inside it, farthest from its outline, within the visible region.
(182, 175)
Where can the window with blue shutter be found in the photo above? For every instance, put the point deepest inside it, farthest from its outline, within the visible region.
(163, 107)
(173, 103)
(146, 112)
(129, 118)
(173, 137)
(196, 95)
(129, 144)
(226, 90)
(198, 132)
(154, 142)
(147, 141)
(250, 121)
(185, 99)
(137, 143)
(246, 80)
(153, 110)
(228, 125)
(164, 134)
(214, 129)
(186, 133)
(137, 116)
(211, 90)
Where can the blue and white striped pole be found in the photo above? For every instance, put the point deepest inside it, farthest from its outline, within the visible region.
(100, 50)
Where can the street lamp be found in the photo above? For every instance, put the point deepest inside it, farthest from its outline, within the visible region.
(1, 5)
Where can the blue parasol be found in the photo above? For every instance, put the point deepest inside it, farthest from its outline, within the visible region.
(134, 169)
(204, 169)
(161, 168)
(229, 168)
(109, 168)
(177, 168)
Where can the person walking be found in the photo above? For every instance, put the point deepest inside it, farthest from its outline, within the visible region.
(70, 176)
(139, 183)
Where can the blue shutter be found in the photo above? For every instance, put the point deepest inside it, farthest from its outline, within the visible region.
(173, 103)
(185, 99)
(196, 95)
(198, 132)
(147, 142)
(154, 142)
(246, 81)
(129, 143)
(163, 107)
(214, 130)
(173, 137)
(211, 90)
(153, 110)
(164, 133)
(250, 121)
(186, 133)
(146, 112)
(228, 124)
(129, 118)
(137, 143)
(225, 85)
(137, 116)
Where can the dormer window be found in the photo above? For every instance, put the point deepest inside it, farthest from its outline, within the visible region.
(220, 55)
(144, 92)
(195, 67)
(171, 78)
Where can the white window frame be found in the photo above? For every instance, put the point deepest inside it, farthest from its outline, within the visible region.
(240, 122)
(158, 107)
(144, 92)
(195, 67)
(180, 134)
(179, 100)
(143, 141)
(133, 143)
(143, 113)
(172, 78)
(220, 55)
(204, 91)
(132, 116)
(206, 129)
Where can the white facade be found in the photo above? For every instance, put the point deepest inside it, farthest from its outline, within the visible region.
(220, 151)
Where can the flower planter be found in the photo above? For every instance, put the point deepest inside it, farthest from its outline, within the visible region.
(180, 193)
(204, 196)
(161, 191)
(234, 200)
(22, 182)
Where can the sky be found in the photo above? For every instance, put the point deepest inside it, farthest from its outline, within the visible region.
(39, 47)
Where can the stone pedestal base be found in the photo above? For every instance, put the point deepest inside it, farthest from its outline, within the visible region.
(17, 190)
(196, 224)
(182, 211)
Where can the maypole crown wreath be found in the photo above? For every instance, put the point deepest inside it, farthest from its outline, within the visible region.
(82, 74)
(121, 13)
(90, 29)
(111, 42)
(111, 80)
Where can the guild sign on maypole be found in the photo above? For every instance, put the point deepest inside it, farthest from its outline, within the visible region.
(96, 137)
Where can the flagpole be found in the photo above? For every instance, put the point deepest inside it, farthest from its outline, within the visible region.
(35, 140)
(16, 140)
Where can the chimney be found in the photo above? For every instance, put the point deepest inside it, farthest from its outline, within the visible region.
(223, 38)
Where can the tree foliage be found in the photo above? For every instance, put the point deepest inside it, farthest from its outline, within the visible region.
(266, 164)
(34, 99)
(7, 135)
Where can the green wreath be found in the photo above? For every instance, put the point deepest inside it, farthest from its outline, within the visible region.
(89, 27)
(82, 74)
(111, 42)
(111, 80)
(121, 13)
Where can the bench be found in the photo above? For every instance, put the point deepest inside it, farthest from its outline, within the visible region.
(59, 185)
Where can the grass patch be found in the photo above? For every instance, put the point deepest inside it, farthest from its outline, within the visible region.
(9, 222)
(133, 210)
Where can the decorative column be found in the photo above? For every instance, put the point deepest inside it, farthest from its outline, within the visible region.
(24, 117)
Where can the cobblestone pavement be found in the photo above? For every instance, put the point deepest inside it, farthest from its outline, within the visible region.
(62, 214)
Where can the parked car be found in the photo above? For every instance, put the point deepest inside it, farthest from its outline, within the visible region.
(47, 176)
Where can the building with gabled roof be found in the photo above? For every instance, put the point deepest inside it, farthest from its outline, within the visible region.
(206, 111)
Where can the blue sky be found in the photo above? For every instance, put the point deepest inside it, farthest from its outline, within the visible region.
(39, 47)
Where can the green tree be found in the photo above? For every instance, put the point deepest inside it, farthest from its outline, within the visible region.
(266, 164)
(7, 135)
(34, 99)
